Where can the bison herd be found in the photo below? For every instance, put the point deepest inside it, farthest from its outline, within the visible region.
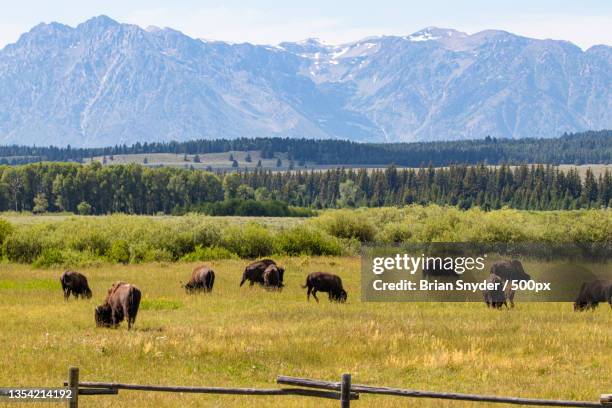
(123, 299)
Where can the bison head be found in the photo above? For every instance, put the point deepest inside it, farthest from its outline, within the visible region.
(103, 316)
(519, 272)
(341, 296)
(88, 293)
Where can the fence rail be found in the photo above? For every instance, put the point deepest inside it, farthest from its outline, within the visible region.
(399, 392)
(344, 391)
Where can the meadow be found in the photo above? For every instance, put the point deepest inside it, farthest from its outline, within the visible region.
(247, 336)
(240, 337)
(220, 161)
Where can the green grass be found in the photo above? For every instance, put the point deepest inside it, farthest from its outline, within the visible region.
(247, 336)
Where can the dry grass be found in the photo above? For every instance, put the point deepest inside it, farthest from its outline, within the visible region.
(245, 337)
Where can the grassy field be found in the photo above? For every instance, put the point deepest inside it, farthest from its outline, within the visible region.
(246, 337)
(220, 161)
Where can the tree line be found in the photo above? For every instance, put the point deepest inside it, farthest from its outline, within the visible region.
(578, 148)
(136, 189)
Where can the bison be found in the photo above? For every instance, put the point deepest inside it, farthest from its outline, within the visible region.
(510, 271)
(272, 277)
(495, 298)
(202, 278)
(254, 272)
(75, 283)
(325, 282)
(122, 302)
(591, 293)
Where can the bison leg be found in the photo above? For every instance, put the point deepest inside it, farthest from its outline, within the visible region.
(511, 298)
(314, 295)
(308, 293)
(66, 294)
(126, 313)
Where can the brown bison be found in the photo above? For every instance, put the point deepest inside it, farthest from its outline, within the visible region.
(122, 302)
(202, 279)
(510, 271)
(325, 282)
(495, 298)
(272, 277)
(75, 283)
(591, 293)
(254, 272)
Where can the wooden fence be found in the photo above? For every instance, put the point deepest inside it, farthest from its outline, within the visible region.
(344, 391)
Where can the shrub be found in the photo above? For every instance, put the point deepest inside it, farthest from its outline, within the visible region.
(347, 224)
(248, 241)
(119, 252)
(175, 243)
(6, 228)
(91, 240)
(395, 233)
(22, 247)
(308, 240)
(84, 208)
(48, 258)
(208, 254)
(157, 255)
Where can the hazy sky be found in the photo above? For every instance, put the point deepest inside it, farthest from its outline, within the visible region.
(584, 22)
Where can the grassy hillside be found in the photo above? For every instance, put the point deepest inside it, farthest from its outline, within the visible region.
(245, 337)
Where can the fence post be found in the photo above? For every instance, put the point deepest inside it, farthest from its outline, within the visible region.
(345, 391)
(73, 384)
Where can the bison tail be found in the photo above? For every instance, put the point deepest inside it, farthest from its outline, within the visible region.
(133, 304)
(211, 280)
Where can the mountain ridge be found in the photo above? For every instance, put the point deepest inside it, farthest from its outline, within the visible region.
(104, 83)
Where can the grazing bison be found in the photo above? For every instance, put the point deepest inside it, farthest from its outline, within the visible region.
(254, 272)
(272, 277)
(495, 298)
(75, 283)
(325, 282)
(510, 271)
(121, 303)
(202, 278)
(591, 293)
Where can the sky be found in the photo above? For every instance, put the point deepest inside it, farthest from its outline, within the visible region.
(583, 22)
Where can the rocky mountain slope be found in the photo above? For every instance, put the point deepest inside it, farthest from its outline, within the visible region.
(106, 83)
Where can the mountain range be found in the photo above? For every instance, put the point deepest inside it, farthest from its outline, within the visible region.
(107, 83)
